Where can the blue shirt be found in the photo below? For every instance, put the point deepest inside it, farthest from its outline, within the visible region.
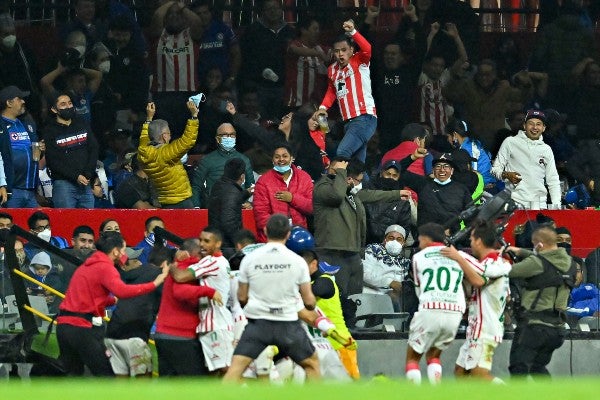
(484, 163)
(25, 169)
(214, 49)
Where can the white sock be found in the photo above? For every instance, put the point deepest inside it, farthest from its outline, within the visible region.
(434, 371)
(413, 374)
(498, 381)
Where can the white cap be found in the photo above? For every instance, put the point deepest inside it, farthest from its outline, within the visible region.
(396, 228)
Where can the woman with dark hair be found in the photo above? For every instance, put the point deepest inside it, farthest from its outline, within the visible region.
(109, 225)
(296, 130)
(460, 137)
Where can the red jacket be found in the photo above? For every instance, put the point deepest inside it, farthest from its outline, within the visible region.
(265, 204)
(402, 151)
(178, 311)
(90, 288)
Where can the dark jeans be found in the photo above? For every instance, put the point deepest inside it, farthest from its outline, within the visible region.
(532, 348)
(81, 347)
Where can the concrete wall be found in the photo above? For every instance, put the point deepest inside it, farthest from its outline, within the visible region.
(388, 357)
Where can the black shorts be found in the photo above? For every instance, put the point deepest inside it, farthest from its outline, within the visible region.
(289, 337)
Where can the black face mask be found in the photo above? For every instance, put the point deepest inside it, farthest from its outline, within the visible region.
(4, 235)
(67, 113)
(566, 246)
(388, 184)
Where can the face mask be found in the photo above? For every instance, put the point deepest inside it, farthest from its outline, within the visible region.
(4, 234)
(104, 67)
(282, 169)
(67, 113)
(46, 234)
(436, 180)
(566, 246)
(355, 189)
(228, 143)
(9, 41)
(389, 184)
(123, 259)
(393, 247)
(80, 49)
(21, 256)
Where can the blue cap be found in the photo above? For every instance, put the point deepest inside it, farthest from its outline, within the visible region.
(327, 268)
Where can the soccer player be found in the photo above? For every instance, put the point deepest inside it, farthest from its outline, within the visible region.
(486, 307)
(216, 322)
(438, 272)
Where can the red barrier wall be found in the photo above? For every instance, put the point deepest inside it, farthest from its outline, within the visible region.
(184, 223)
(583, 224)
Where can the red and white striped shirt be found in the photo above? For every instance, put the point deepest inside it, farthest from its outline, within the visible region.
(351, 85)
(432, 106)
(305, 77)
(175, 62)
(486, 305)
(439, 279)
(213, 271)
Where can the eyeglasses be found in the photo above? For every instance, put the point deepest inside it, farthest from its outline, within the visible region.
(442, 166)
(226, 134)
(41, 228)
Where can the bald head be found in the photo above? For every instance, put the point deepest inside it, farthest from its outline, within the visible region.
(225, 129)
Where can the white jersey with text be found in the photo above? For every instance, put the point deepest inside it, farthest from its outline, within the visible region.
(439, 279)
(274, 275)
(175, 63)
(486, 305)
(213, 271)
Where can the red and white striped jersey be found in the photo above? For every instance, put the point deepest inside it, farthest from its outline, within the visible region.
(213, 271)
(305, 77)
(351, 85)
(175, 60)
(439, 279)
(432, 106)
(486, 305)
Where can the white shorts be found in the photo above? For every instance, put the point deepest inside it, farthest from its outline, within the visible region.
(217, 347)
(476, 353)
(433, 328)
(129, 356)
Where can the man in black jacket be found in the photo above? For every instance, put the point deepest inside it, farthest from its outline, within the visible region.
(225, 201)
(71, 154)
(441, 200)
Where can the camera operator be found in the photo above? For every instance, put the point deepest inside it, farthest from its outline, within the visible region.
(548, 273)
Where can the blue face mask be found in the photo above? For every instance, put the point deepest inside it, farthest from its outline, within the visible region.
(436, 180)
(282, 169)
(228, 143)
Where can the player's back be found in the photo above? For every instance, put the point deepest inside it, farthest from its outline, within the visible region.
(439, 280)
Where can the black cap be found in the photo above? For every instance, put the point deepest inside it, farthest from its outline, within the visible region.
(445, 158)
(10, 92)
(391, 164)
(538, 114)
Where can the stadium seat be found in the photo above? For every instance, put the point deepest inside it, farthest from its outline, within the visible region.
(37, 302)
(592, 322)
(375, 311)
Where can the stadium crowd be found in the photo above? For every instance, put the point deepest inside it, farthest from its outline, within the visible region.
(183, 113)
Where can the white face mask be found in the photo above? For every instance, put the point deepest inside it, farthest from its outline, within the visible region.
(393, 247)
(184, 158)
(355, 189)
(46, 234)
(9, 41)
(104, 67)
(80, 49)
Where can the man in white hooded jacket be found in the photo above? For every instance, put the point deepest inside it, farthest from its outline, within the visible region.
(527, 164)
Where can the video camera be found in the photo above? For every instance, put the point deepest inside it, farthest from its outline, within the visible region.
(499, 206)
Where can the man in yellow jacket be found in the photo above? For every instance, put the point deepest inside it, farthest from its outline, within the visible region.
(161, 157)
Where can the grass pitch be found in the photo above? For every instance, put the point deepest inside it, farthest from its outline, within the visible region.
(92, 389)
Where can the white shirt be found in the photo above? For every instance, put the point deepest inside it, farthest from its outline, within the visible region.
(439, 279)
(213, 271)
(380, 269)
(274, 275)
(534, 160)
